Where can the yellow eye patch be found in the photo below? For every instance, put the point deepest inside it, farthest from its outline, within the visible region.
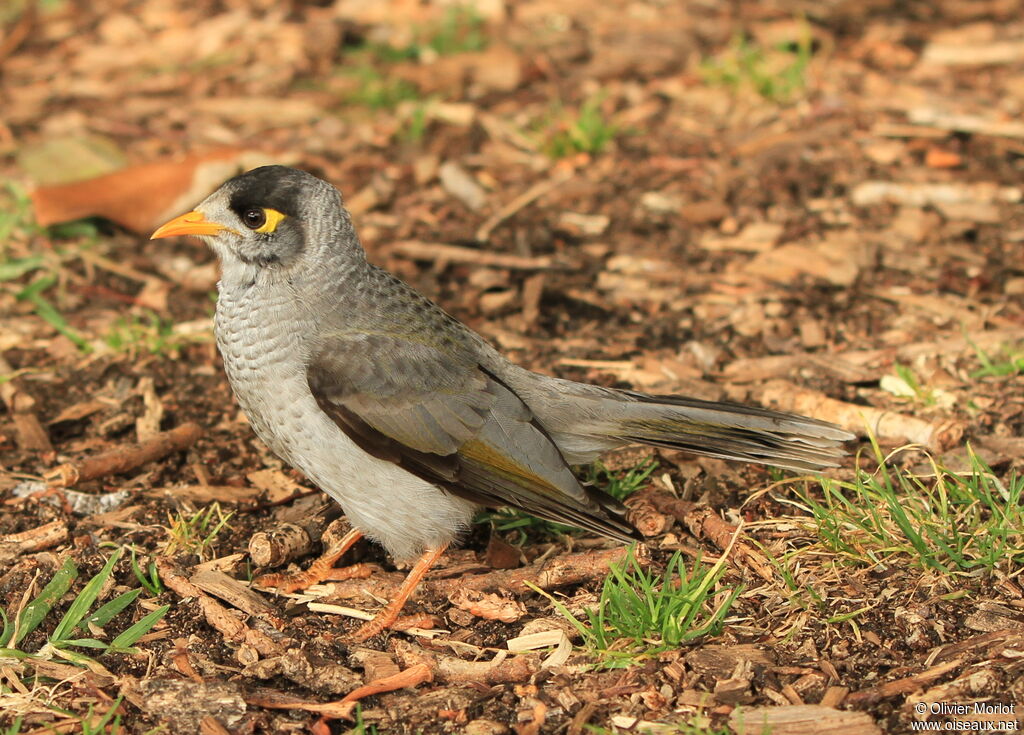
(273, 220)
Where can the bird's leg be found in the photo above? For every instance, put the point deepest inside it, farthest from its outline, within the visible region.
(318, 571)
(387, 617)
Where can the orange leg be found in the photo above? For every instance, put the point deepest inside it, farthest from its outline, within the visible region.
(387, 617)
(318, 571)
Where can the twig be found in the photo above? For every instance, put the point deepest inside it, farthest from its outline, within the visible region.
(562, 175)
(273, 548)
(236, 594)
(861, 366)
(561, 571)
(703, 522)
(35, 539)
(20, 32)
(125, 458)
(502, 669)
(906, 685)
(413, 676)
(273, 699)
(786, 396)
(995, 639)
(645, 517)
(961, 123)
(441, 252)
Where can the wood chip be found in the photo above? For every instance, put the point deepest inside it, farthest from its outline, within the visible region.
(30, 432)
(235, 594)
(806, 719)
(488, 606)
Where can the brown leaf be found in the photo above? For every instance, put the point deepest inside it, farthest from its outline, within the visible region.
(142, 197)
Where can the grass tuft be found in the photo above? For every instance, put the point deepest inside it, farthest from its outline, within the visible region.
(620, 485)
(777, 73)
(588, 130)
(946, 521)
(460, 30)
(149, 333)
(641, 612)
(18, 627)
(196, 533)
(377, 90)
(1008, 362)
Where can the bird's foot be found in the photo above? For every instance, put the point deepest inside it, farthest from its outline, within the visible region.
(321, 569)
(387, 617)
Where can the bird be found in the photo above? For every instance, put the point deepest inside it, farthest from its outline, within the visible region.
(406, 417)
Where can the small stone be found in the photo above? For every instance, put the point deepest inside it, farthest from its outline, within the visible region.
(661, 203)
(461, 185)
(704, 213)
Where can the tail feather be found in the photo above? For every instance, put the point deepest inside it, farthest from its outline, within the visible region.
(585, 420)
(728, 431)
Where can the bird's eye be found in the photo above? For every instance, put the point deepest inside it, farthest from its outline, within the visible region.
(254, 218)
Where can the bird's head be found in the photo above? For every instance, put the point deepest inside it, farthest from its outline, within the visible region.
(268, 217)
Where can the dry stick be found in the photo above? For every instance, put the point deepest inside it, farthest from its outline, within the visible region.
(906, 685)
(502, 669)
(645, 517)
(285, 542)
(125, 458)
(786, 396)
(210, 725)
(436, 251)
(410, 677)
(22, 29)
(35, 539)
(561, 571)
(702, 521)
(533, 193)
(31, 434)
(861, 365)
(320, 569)
(975, 643)
(290, 539)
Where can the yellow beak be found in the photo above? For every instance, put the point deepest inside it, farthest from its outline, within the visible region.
(190, 223)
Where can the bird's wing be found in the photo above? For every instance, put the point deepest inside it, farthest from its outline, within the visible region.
(432, 409)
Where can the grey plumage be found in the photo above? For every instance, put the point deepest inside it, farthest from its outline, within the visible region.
(404, 415)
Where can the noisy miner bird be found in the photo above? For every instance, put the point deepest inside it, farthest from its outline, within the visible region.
(406, 417)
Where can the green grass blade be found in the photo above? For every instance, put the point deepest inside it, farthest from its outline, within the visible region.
(106, 612)
(129, 637)
(33, 293)
(85, 599)
(37, 610)
(17, 267)
(7, 630)
(82, 643)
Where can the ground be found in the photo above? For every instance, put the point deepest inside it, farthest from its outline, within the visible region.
(809, 206)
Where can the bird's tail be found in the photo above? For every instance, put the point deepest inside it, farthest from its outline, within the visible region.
(596, 419)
